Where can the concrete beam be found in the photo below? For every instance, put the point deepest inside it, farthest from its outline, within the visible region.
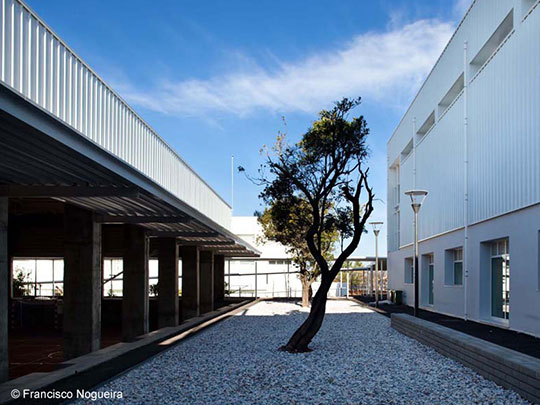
(137, 219)
(208, 243)
(207, 281)
(219, 279)
(168, 282)
(135, 287)
(4, 289)
(82, 282)
(66, 191)
(183, 234)
(190, 281)
(235, 248)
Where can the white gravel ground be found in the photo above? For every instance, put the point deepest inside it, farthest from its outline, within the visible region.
(357, 359)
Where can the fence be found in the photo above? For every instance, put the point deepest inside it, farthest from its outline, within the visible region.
(248, 280)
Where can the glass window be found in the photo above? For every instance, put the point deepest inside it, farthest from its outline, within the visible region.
(153, 277)
(153, 268)
(44, 270)
(116, 288)
(59, 270)
(409, 276)
(37, 277)
(112, 277)
(59, 289)
(458, 273)
(27, 268)
(458, 266)
(44, 290)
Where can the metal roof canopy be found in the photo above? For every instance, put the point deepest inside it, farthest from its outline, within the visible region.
(41, 156)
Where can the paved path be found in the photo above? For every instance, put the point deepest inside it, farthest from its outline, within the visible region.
(357, 359)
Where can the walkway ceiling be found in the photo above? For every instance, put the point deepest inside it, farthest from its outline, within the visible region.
(42, 157)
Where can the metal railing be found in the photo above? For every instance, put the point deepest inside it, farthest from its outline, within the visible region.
(36, 63)
(287, 284)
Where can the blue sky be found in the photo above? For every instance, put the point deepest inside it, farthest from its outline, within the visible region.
(215, 78)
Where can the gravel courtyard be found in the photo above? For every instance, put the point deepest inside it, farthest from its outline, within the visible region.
(357, 359)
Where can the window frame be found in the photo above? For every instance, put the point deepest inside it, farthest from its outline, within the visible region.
(457, 260)
(34, 283)
(495, 253)
(408, 269)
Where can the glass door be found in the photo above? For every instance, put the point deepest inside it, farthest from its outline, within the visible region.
(500, 280)
(430, 280)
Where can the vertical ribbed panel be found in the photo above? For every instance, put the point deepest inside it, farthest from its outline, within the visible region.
(504, 120)
(504, 127)
(37, 64)
(406, 212)
(392, 221)
(439, 169)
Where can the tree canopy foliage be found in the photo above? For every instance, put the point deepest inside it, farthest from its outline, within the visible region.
(326, 170)
(287, 221)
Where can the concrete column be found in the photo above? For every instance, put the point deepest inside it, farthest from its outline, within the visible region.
(190, 281)
(135, 286)
(219, 279)
(82, 282)
(207, 281)
(168, 282)
(4, 289)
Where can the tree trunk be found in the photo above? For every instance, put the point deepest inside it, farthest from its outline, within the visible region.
(300, 340)
(306, 291)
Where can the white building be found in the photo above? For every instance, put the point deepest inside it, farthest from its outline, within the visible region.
(271, 275)
(274, 275)
(471, 138)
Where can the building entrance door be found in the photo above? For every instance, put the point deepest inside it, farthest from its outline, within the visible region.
(430, 284)
(500, 280)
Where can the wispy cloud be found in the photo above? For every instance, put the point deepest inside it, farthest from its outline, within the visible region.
(382, 66)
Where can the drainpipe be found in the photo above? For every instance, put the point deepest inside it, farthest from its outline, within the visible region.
(466, 186)
(415, 230)
(414, 152)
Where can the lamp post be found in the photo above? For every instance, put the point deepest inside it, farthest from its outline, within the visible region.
(376, 229)
(417, 198)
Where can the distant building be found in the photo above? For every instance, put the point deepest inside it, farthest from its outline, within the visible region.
(271, 275)
(471, 138)
(274, 275)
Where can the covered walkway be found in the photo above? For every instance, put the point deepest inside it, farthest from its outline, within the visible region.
(83, 178)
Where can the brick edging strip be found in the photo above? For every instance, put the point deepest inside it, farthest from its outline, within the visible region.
(506, 367)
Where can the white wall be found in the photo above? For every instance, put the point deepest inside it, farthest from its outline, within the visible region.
(501, 104)
(503, 143)
(249, 229)
(522, 228)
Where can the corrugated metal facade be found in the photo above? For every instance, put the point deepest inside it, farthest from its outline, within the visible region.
(36, 63)
(503, 104)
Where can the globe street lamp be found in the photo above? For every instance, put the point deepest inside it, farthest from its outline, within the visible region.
(417, 198)
(376, 229)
